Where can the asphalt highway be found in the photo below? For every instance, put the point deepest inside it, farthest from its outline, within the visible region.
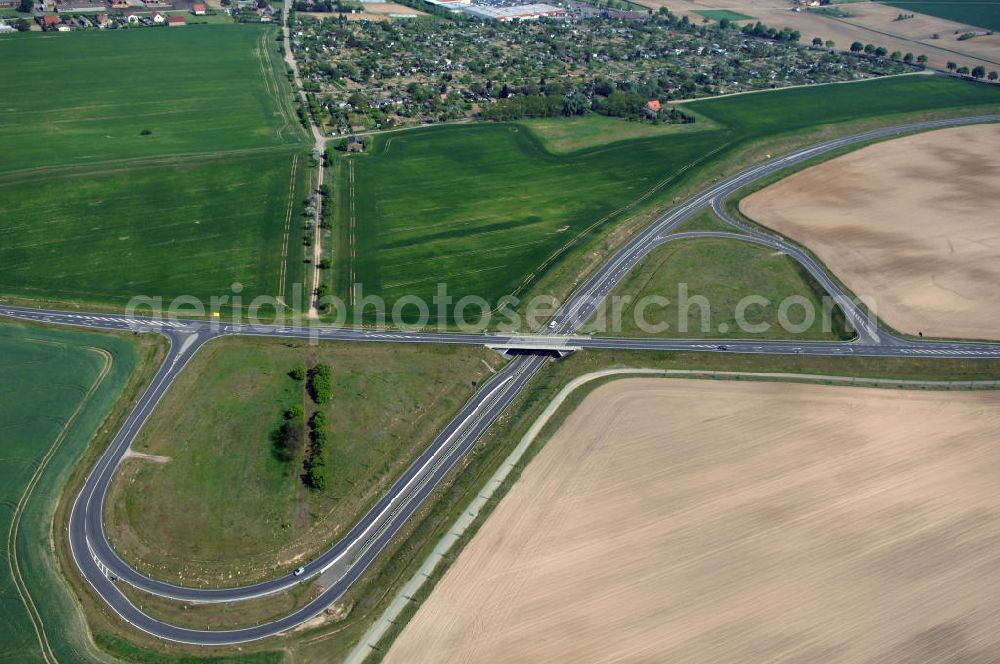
(347, 558)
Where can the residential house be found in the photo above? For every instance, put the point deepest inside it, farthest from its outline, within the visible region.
(175, 20)
(654, 105)
(157, 17)
(198, 9)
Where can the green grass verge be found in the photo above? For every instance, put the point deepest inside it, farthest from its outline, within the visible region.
(57, 387)
(719, 14)
(217, 426)
(981, 13)
(131, 653)
(489, 211)
(85, 97)
(718, 273)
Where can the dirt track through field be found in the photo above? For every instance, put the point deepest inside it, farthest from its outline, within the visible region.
(914, 222)
(697, 521)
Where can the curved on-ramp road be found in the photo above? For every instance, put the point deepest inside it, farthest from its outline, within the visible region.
(348, 558)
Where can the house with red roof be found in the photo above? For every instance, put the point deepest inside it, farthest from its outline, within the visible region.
(198, 9)
(175, 20)
(653, 105)
(50, 21)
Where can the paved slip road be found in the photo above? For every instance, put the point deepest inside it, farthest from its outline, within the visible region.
(348, 558)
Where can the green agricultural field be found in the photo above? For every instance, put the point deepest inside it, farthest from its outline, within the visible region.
(762, 115)
(981, 13)
(85, 97)
(193, 227)
(488, 210)
(484, 208)
(719, 273)
(56, 387)
(94, 212)
(216, 427)
(719, 14)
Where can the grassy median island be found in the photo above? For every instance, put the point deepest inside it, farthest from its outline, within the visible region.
(491, 210)
(56, 388)
(720, 273)
(220, 504)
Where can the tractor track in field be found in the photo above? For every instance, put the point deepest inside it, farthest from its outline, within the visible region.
(13, 564)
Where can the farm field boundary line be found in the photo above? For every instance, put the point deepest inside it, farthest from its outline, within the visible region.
(283, 266)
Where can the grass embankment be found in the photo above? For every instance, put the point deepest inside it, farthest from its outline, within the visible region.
(57, 387)
(217, 426)
(489, 210)
(149, 162)
(720, 274)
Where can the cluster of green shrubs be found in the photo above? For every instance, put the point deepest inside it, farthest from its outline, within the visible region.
(291, 434)
(758, 29)
(321, 383)
(316, 462)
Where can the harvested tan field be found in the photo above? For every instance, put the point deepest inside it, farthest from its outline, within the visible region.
(734, 522)
(914, 223)
(870, 22)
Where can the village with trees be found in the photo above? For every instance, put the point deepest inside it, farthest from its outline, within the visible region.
(367, 75)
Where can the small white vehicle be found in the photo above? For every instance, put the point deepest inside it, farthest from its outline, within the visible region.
(300, 571)
(552, 325)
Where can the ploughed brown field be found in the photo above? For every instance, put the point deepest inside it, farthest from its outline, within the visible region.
(914, 223)
(868, 23)
(734, 522)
